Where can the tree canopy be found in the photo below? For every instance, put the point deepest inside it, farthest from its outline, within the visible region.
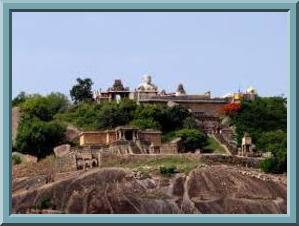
(81, 91)
(265, 119)
(38, 132)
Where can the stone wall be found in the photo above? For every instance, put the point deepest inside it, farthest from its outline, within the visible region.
(66, 162)
(90, 138)
(169, 148)
(151, 137)
(231, 159)
(207, 108)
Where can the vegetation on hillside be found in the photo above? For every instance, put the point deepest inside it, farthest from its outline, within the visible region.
(265, 119)
(44, 120)
(38, 131)
(81, 91)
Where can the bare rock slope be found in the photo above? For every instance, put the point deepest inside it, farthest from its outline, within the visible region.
(207, 189)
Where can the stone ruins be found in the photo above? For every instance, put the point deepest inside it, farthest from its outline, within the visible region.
(130, 140)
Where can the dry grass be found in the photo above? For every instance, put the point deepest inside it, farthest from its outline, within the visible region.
(42, 167)
(152, 164)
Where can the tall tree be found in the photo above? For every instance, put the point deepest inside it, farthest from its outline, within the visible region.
(82, 92)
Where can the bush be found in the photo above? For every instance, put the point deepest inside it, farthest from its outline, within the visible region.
(168, 171)
(19, 99)
(44, 108)
(38, 138)
(16, 160)
(276, 143)
(192, 139)
(169, 118)
(190, 123)
(81, 92)
(273, 165)
(259, 116)
(145, 124)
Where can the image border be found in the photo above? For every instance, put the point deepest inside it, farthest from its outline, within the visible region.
(10, 6)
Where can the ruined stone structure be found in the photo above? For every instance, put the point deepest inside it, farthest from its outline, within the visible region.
(246, 145)
(116, 92)
(204, 107)
(121, 133)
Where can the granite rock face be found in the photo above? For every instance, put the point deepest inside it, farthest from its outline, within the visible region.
(207, 189)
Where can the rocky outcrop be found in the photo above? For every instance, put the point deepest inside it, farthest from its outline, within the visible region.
(15, 119)
(207, 189)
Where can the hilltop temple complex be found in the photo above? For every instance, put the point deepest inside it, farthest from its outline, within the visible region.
(128, 139)
(203, 106)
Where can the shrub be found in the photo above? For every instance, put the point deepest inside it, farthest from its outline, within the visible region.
(190, 123)
(260, 116)
(16, 159)
(273, 165)
(38, 138)
(19, 99)
(44, 108)
(168, 171)
(145, 124)
(81, 92)
(192, 138)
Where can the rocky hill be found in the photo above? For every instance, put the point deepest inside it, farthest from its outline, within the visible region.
(15, 121)
(206, 189)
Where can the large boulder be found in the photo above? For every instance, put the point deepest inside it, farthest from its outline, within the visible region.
(72, 133)
(16, 115)
(62, 150)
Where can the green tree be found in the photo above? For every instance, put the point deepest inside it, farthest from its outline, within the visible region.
(190, 123)
(192, 139)
(276, 143)
(38, 138)
(147, 123)
(174, 118)
(259, 116)
(81, 91)
(46, 107)
(19, 99)
(112, 115)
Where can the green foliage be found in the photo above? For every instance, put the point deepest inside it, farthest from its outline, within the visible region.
(213, 146)
(83, 115)
(192, 138)
(145, 123)
(111, 116)
(175, 117)
(259, 116)
(272, 141)
(168, 171)
(94, 116)
(19, 99)
(44, 107)
(81, 92)
(36, 137)
(166, 137)
(44, 203)
(273, 165)
(169, 118)
(16, 159)
(190, 123)
(276, 143)
(265, 119)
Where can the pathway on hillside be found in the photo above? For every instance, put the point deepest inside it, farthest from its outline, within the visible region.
(221, 144)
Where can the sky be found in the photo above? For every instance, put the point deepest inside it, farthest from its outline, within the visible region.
(217, 51)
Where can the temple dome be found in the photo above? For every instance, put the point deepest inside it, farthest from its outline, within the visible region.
(147, 84)
(250, 89)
